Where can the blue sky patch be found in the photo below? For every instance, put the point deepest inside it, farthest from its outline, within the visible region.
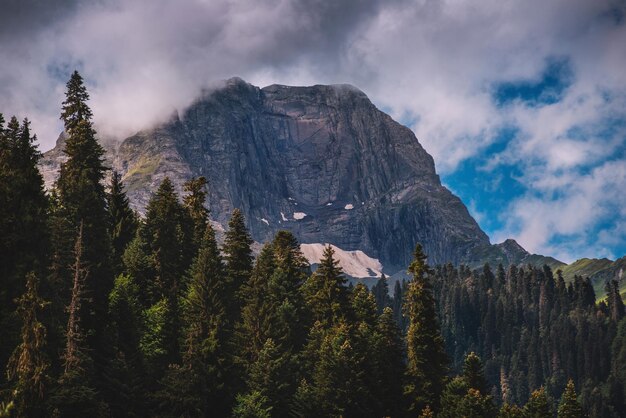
(549, 88)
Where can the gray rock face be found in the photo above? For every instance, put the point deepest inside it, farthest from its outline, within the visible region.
(321, 161)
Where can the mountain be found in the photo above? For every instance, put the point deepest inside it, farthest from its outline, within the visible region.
(320, 161)
(506, 253)
(599, 271)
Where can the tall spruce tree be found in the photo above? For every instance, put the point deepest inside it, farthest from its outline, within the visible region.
(539, 405)
(23, 217)
(381, 293)
(75, 394)
(389, 365)
(124, 377)
(194, 203)
(82, 199)
(123, 220)
(325, 291)
(569, 407)
(28, 367)
(287, 307)
(206, 362)
(474, 374)
(426, 357)
(165, 232)
(256, 317)
(239, 262)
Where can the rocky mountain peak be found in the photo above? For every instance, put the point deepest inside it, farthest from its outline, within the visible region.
(320, 161)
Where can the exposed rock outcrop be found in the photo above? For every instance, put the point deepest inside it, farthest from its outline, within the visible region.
(321, 161)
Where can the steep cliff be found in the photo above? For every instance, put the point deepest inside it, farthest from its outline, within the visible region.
(321, 161)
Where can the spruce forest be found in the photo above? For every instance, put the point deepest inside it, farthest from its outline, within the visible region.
(108, 314)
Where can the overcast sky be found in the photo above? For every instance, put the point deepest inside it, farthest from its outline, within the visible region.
(521, 103)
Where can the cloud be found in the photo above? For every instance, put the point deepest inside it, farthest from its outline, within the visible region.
(460, 71)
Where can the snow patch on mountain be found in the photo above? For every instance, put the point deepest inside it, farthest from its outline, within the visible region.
(299, 215)
(354, 263)
(349, 206)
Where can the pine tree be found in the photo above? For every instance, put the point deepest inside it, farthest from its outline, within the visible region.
(285, 298)
(614, 299)
(123, 221)
(538, 406)
(473, 373)
(256, 320)
(510, 411)
(426, 357)
(198, 387)
(325, 291)
(194, 203)
(29, 365)
(125, 374)
(238, 256)
(271, 376)
(252, 405)
(381, 293)
(569, 407)
(452, 398)
(389, 365)
(337, 378)
(75, 394)
(165, 232)
(205, 360)
(365, 348)
(83, 201)
(23, 224)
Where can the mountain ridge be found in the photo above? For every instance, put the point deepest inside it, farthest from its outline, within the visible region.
(321, 161)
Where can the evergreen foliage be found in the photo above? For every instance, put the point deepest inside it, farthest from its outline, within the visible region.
(426, 357)
(569, 406)
(123, 221)
(325, 291)
(82, 201)
(23, 224)
(239, 262)
(28, 367)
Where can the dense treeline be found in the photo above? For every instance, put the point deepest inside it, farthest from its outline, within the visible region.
(104, 313)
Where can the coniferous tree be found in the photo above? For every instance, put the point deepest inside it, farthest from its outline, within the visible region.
(539, 405)
(252, 405)
(270, 375)
(452, 398)
(325, 291)
(510, 411)
(473, 373)
(75, 394)
(365, 348)
(389, 364)
(165, 231)
(426, 357)
(614, 299)
(569, 407)
(287, 306)
(256, 320)
(381, 293)
(239, 262)
(125, 374)
(28, 367)
(23, 218)
(194, 203)
(123, 221)
(198, 387)
(82, 201)
(337, 379)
